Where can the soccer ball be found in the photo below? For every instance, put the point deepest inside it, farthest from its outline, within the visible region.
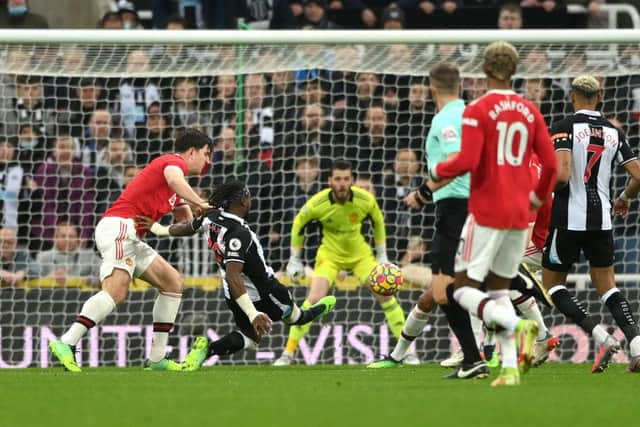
(385, 279)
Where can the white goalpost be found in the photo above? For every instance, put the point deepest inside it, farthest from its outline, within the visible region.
(280, 106)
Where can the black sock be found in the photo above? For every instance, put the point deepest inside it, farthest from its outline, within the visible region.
(460, 324)
(570, 307)
(226, 345)
(309, 314)
(621, 311)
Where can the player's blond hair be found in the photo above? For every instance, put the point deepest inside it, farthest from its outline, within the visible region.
(586, 85)
(500, 60)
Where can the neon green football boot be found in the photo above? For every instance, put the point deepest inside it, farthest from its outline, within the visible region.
(387, 362)
(162, 365)
(526, 333)
(197, 355)
(65, 355)
(329, 303)
(507, 377)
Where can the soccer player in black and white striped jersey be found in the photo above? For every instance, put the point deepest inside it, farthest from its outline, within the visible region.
(587, 147)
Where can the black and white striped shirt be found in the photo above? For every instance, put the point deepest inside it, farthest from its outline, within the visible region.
(595, 146)
(232, 240)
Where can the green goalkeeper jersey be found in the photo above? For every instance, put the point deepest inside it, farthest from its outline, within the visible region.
(341, 223)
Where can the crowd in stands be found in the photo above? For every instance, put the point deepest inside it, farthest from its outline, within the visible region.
(70, 145)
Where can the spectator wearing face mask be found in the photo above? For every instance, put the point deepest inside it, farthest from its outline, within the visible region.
(17, 15)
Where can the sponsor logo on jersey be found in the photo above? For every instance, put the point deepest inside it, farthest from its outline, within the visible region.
(470, 122)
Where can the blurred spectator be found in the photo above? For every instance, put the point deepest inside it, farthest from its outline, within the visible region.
(67, 259)
(400, 221)
(510, 17)
(27, 108)
(413, 117)
(473, 88)
(314, 16)
(224, 102)
(368, 92)
(110, 173)
(130, 171)
(393, 18)
(375, 149)
(258, 121)
(17, 15)
(14, 262)
(154, 138)
(84, 96)
(186, 107)
(111, 21)
(135, 94)
(306, 183)
(66, 189)
(283, 96)
(311, 138)
(363, 181)
(129, 14)
(32, 148)
(597, 18)
(15, 187)
(95, 137)
(174, 55)
(538, 91)
(537, 61)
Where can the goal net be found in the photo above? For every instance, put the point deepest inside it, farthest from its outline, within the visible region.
(81, 113)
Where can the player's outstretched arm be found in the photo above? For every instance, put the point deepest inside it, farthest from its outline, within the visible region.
(177, 182)
(623, 201)
(260, 321)
(180, 229)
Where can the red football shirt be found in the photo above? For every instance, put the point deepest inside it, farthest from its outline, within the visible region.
(148, 194)
(500, 131)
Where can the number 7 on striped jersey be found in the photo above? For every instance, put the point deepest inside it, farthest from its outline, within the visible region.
(596, 151)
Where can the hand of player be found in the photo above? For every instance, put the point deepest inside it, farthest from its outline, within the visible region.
(621, 207)
(295, 269)
(144, 222)
(261, 324)
(412, 200)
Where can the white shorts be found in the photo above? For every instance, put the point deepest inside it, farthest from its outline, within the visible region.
(533, 258)
(120, 247)
(483, 249)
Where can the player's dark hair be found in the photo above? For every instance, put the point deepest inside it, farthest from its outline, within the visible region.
(191, 138)
(341, 165)
(225, 194)
(445, 76)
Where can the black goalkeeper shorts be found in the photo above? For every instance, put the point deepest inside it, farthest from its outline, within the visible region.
(450, 217)
(275, 301)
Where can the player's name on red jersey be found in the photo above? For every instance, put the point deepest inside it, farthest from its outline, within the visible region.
(149, 193)
(503, 105)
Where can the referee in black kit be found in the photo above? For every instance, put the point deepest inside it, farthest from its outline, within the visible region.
(588, 146)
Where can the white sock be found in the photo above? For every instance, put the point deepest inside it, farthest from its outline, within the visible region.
(530, 310)
(600, 334)
(94, 310)
(165, 310)
(506, 338)
(413, 326)
(492, 314)
(476, 326)
(634, 346)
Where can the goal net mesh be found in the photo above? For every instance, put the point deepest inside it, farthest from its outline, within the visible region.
(77, 122)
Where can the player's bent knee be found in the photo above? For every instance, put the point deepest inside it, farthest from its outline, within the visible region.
(117, 285)
(426, 302)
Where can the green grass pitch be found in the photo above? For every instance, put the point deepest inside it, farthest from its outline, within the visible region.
(301, 396)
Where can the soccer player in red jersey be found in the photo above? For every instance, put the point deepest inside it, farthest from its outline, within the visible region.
(160, 188)
(500, 131)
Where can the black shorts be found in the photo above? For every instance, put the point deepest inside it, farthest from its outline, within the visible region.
(450, 217)
(275, 301)
(563, 247)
